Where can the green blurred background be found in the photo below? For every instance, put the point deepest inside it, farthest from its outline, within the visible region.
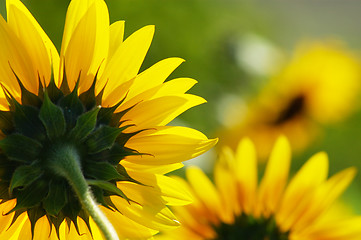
(210, 34)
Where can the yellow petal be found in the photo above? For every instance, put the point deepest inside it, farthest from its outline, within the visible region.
(153, 76)
(159, 111)
(146, 208)
(15, 229)
(42, 228)
(14, 57)
(84, 230)
(226, 184)
(299, 193)
(325, 196)
(204, 189)
(6, 218)
(126, 61)
(40, 48)
(175, 87)
(97, 234)
(125, 227)
(275, 178)
(172, 190)
(168, 144)
(116, 35)
(76, 11)
(156, 169)
(87, 47)
(25, 232)
(341, 229)
(246, 170)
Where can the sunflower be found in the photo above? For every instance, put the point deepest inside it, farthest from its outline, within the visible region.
(300, 99)
(237, 207)
(84, 142)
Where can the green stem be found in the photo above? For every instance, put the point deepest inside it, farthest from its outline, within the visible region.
(65, 161)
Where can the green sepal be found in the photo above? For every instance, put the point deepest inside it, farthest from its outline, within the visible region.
(105, 114)
(7, 168)
(56, 198)
(84, 125)
(27, 97)
(72, 207)
(6, 122)
(101, 171)
(108, 187)
(4, 192)
(53, 119)
(72, 107)
(64, 86)
(110, 204)
(125, 176)
(114, 155)
(20, 148)
(57, 221)
(34, 215)
(27, 121)
(24, 176)
(124, 137)
(99, 196)
(88, 97)
(54, 92)
(32, 195)
(101, 139)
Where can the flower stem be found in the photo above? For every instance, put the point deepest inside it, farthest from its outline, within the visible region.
(65, 161)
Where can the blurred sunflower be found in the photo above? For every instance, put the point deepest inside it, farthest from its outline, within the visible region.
(84, 142)
(238, 208)
(320, 85)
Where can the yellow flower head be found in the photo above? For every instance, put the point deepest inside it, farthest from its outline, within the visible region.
(320, 85)
(88, 120)
(237, 207)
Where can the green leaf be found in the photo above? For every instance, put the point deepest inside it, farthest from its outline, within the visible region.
(108, 187)
(20, 148)
(56, 198)
(84, 125)
(103, 138)
(53, 119)
(24, 176)
(101, 170)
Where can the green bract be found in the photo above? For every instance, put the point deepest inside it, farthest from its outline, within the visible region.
(42, 124)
